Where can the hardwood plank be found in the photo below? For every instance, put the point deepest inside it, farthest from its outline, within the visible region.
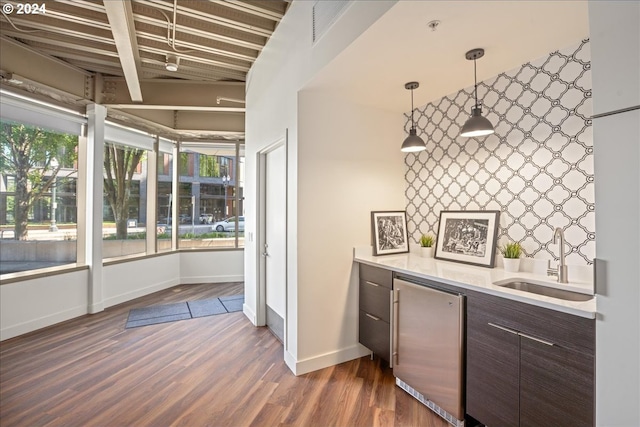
(217, 370)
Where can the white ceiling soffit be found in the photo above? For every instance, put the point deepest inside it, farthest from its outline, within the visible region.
(400, 47)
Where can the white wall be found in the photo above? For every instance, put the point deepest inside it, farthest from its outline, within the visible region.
(287, 63)
(615, 57)
(349, 164)
(128, 280)
(32, 304)
(196, 267)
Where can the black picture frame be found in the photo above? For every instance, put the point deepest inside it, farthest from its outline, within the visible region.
(468, 237)
(389, 232)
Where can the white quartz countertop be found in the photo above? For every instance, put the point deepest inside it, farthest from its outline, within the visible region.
(482, 279)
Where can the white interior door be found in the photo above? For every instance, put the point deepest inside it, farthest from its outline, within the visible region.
(275, 248)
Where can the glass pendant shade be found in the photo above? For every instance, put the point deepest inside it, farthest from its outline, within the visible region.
(477, 125)
(413, 142)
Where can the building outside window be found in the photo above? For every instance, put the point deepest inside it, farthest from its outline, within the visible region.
(38, 210)
(211, 205)
(124, 224)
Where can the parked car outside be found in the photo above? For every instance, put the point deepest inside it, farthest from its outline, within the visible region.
(206, 218)
(229, 224)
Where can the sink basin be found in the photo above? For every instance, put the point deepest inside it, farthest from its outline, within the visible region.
(521, 285)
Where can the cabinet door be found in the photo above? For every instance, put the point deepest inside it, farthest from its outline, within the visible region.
(556, 385)
(492, 367)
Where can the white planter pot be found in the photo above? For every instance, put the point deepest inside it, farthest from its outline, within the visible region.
(426, 252)
(511, 265)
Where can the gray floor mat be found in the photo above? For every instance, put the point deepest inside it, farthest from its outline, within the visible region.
(183, 310)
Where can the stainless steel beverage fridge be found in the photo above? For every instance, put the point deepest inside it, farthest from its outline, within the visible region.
(428, 338)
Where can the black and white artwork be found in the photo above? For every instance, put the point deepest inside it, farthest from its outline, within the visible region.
(389, 230)
(468, 237)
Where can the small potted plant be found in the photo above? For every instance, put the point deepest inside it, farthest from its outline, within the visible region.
(426, 245)
(511, 253)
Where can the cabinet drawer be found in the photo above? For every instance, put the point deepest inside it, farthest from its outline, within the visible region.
(375, 335)
(376, 275)
(573, 332)
(375, 300)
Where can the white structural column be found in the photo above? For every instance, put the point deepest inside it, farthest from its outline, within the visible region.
(81, 199)
(175, 195)
(152, 198)
(615, 66)
(93, 211)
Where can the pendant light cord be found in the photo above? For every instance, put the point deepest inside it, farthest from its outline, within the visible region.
(475, 82)
(412, 124)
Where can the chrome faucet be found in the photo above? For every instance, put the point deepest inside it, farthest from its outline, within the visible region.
(562, 271)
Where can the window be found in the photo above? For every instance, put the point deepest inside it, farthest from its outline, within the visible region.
(124, 215)
(38, 209)
(211, 197)
(164, 201)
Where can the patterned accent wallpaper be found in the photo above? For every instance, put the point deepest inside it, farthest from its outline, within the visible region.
(537, 168)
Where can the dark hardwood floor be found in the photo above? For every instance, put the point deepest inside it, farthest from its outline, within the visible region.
(210, 371)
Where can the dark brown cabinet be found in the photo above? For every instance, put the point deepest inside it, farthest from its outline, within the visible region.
(375, 310)
(527, 365)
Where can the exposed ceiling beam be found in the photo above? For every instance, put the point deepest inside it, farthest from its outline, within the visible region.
(196, 47)
(250, 8)
(177, 107)
(124, 33)
(199, 32)
(218, 20)
(176, 93)
(30, 66)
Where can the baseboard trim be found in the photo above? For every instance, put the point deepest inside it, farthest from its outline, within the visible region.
(42, 322)
(211, 279)
(250, 314)
(304, 366)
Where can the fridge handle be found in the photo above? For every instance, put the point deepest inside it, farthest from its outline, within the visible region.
(395, 334)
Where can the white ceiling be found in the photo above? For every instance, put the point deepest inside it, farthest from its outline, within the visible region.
(400, 47)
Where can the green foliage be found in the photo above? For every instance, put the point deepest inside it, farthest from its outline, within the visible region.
(27, 153)
(165, 235)
(209, 166)
(426, 240)
(511, 250)
(120, 164)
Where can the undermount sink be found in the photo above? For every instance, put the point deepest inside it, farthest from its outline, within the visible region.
(521, 285)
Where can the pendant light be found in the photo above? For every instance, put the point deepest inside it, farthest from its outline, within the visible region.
(476, 125)
(413, 142)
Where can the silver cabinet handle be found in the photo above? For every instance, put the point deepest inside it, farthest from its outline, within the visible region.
(371, 283)
(536, 339)
(396, 327)
(502, 328)
(372, 316)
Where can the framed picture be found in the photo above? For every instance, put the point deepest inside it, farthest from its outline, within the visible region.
(389, 229)
(468, 237)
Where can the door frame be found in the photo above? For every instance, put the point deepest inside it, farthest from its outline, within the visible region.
(261, 283)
